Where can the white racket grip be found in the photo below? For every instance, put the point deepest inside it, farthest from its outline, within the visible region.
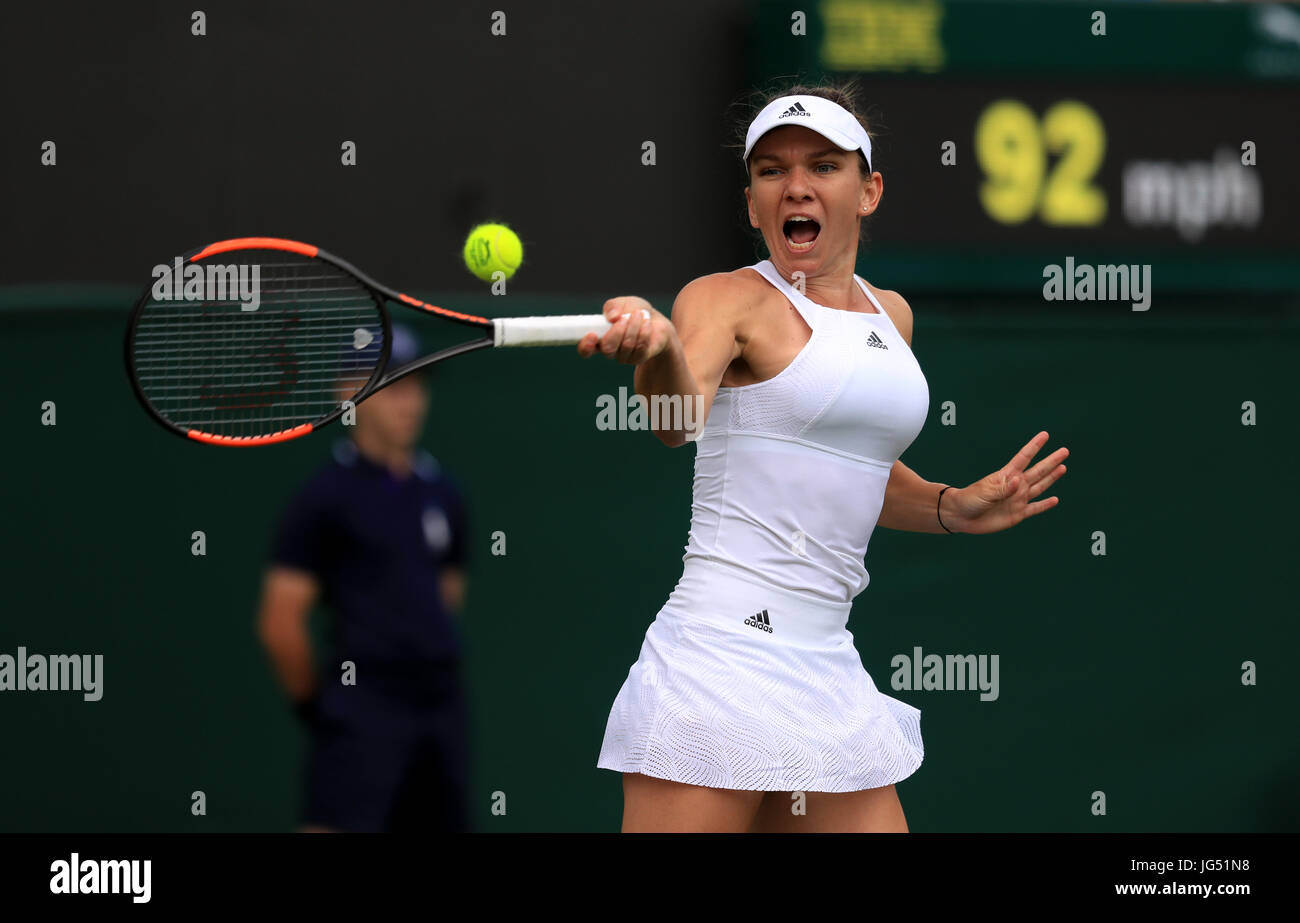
(560, 330)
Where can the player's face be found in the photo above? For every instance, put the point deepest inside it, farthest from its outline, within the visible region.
(795, 171)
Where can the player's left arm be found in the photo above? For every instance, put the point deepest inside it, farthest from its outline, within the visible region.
(912, 503)
(910, 500)
(995, 502)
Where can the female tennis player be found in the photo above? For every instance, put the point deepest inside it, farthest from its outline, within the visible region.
(749, 708)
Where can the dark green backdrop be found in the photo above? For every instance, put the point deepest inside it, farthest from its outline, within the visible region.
(1118, 673)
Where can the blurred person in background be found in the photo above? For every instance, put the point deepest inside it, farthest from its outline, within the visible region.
(378, 535)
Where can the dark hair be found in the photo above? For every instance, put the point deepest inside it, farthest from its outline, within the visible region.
(843, 94)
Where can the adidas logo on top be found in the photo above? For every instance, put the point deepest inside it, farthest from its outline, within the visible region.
(760, 621)
(874, 340)
(796, 109)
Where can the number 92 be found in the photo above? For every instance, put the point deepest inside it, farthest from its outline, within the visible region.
(1012, 145)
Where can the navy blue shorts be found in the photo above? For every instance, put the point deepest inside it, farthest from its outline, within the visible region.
(390, 755)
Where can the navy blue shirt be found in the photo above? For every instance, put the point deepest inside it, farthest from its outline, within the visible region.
(377, 545)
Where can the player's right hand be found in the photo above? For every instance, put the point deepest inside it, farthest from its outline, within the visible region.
(639, 332)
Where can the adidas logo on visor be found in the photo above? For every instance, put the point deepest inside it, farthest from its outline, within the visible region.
(796, 109)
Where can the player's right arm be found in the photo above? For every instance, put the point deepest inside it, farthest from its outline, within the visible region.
(287, 599)
(684, 357)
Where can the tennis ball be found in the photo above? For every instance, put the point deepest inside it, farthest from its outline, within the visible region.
(493, 248)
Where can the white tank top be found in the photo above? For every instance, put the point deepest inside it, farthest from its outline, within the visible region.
(790, 473)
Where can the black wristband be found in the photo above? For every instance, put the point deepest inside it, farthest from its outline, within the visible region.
(936, 511)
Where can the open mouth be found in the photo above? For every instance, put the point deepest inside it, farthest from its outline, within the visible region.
(800, 232)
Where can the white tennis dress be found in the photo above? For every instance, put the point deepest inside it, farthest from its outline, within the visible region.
(748, 677)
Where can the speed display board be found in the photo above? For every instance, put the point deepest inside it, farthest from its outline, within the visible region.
(1009, 134)
(1013, 164)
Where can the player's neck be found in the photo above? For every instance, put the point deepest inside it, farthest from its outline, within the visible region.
(834, 289)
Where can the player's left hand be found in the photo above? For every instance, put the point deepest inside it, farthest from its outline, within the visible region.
(1001, 500)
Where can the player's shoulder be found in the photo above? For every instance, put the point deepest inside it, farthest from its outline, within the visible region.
(896, 306)
(722, 295)
(745, 283)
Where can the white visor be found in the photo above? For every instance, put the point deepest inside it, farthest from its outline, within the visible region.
(830, 120)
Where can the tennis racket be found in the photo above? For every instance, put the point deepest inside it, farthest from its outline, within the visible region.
(255, 341)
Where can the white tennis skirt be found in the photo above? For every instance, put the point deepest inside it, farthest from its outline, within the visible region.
(742, 684)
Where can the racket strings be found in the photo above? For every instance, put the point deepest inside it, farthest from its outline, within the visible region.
(313, 337)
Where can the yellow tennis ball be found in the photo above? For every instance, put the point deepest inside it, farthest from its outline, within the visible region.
(493, 248)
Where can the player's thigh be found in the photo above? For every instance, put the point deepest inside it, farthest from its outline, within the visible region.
(652, 805)
(873, 810)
